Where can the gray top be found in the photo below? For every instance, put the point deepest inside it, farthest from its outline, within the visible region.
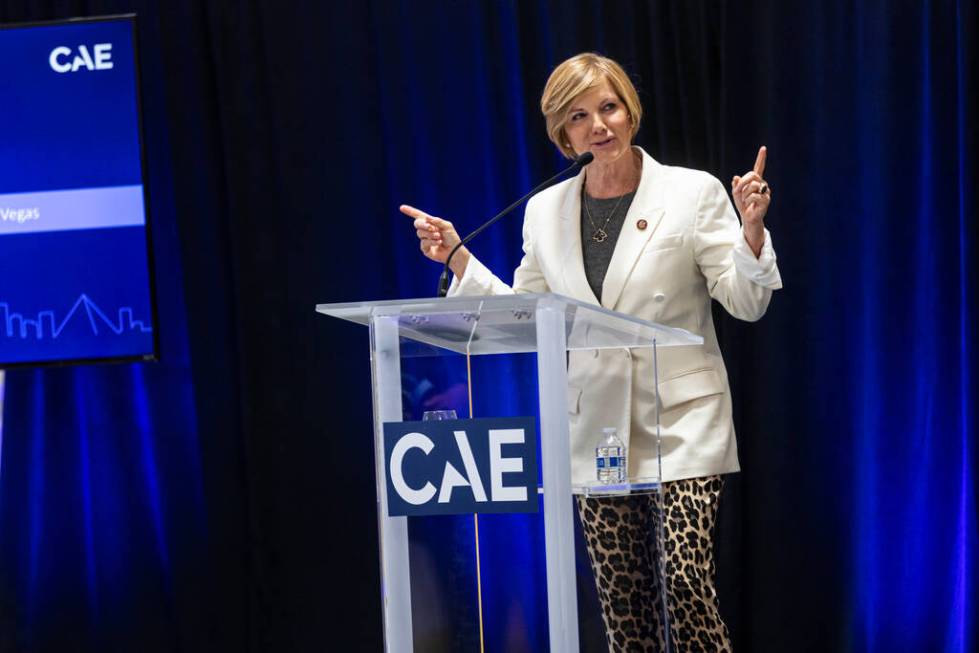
(606, 216)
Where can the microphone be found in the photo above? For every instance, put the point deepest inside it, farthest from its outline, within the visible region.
(579, 163)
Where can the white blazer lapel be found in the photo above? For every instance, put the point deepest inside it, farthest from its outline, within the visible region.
(646, 205)
(573, 259)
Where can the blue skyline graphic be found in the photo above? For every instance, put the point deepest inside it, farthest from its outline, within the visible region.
(15, 325)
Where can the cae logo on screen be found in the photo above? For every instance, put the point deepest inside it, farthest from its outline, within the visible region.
(61, 58)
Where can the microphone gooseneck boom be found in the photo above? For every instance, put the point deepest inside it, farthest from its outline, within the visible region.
(578, 164)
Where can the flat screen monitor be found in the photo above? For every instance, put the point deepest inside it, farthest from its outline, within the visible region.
(75, 265)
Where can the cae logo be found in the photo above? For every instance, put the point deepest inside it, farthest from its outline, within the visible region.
(441, 467)
(61, 63)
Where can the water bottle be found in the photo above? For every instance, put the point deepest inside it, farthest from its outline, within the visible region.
(611, 463)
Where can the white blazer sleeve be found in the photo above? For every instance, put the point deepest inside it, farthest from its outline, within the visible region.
(743, 288)
(479, 280)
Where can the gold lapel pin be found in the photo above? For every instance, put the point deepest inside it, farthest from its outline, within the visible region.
(642, 224)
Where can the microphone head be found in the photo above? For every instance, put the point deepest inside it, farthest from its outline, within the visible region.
(583, 159)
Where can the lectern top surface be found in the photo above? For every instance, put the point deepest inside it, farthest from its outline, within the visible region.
(507, 323)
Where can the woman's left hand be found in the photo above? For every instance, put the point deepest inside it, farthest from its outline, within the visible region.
(752, 196)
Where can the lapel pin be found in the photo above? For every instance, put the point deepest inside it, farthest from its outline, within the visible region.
(642, 224)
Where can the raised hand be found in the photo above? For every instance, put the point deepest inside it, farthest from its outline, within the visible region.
(436, 238)
(752, 197)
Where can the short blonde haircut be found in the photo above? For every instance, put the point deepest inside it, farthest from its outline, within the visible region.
(575, 76)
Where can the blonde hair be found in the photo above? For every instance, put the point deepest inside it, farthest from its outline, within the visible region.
(575, 76)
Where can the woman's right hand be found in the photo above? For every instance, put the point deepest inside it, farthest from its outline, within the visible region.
(436, 238)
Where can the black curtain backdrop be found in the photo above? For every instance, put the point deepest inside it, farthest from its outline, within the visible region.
(207, 503)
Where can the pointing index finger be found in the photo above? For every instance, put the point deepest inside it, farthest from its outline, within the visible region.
(760, 161)
(412, 212)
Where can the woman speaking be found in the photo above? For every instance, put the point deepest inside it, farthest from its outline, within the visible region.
(657, 242)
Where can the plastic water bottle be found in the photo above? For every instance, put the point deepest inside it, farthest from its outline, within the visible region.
(611, 461)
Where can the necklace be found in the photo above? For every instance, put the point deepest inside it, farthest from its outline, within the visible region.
(599, 235)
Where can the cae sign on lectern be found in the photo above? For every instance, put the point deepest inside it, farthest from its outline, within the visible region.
(461, 466)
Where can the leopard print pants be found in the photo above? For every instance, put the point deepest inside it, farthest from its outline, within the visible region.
(621, 533)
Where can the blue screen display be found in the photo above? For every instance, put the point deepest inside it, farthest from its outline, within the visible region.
(74, 268)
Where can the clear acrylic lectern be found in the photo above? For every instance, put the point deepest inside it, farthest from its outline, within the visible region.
(547, 325)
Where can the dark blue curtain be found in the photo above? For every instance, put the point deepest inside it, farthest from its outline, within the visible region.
(199, 503)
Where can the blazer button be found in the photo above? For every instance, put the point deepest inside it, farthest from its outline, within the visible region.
(642, 224)
(659, 297)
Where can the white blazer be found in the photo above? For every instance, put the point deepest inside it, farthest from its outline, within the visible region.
(691, 249)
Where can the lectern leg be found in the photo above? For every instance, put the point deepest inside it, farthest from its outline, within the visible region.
(393, 531)
(562, 598)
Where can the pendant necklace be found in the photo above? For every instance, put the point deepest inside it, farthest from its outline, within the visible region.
(599, 235)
